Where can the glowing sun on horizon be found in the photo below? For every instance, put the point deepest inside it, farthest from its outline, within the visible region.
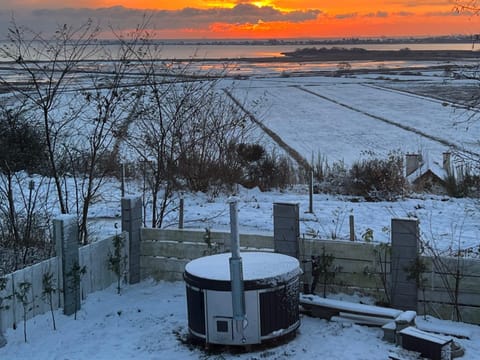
(262, 3)
(232, 4)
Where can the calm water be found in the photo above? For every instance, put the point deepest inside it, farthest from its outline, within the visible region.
(236, 51)
(255, 51)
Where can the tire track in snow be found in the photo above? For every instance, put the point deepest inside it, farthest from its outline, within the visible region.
(294, 154)
(432, 98)
(390, 122)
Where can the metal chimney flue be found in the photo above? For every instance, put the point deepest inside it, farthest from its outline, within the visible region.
(236, 273)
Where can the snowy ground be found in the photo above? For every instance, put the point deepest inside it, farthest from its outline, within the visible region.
(446, 223)
(147, 320)
(338, 120)
(344, 118)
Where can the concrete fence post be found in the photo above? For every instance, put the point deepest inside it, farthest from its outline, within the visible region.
(65, 234)
(405, 238)
(286, 234)
(132, 223)
(351, 222)
(286, 229)
(3, 341)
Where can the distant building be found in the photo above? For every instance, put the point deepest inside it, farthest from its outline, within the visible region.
(429, 176)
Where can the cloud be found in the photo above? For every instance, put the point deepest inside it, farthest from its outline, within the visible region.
(346, 16)
(447, 13)
(404, 13)
(378, 14)
(121, 18)
(423, 3)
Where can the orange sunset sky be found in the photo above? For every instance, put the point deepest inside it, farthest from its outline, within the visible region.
(251, 19)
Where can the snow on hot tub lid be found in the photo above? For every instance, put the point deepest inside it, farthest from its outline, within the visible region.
(256, 266)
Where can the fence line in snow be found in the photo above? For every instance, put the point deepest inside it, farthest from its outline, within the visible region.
(357, 265)
(98, 276)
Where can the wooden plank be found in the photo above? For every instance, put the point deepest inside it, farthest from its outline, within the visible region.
(443, 297)
(85, 280)
(50, 266)
(8, 315)
(353, 308)
(173, 249)
(361, 319)
(199, 236)
(358, 280)
(426, 336)
(467, 266)
(353, 266)
(185, 235)
(444, 328)
(160, 275)
(17, 309)
(256, 241)
(375, 293)
(38, 305)
(470, 314)
(102, 252)
(344, 249)
(11, 317)
(166, 264)
(468, 284)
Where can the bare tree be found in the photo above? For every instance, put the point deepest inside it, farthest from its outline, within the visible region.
(472, 6)
(46, 65)
(183, 129)
(22, 152)
(105, 108)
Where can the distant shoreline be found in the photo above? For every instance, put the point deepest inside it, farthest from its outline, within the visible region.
(355, 54)
(312, 54)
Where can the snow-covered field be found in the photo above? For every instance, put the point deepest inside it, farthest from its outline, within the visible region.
(147, 320)
(341, 118)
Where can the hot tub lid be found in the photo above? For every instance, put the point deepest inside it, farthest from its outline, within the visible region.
(258, 268)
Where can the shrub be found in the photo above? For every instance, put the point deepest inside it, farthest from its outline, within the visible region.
(275, 172)
(467, 186)
(22, 145)
(378, 179)
(79, 162)
(249, 153)
(266, 170)
(24, 241)
(334, 178)
(246, 164)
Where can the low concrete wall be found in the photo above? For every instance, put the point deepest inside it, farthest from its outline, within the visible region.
(164, 253)
(440, 284)
(97, 277)
(359, 266)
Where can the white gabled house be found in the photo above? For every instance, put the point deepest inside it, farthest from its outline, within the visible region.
(429, 176)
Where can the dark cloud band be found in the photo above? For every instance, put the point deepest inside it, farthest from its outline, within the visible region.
(123, 18)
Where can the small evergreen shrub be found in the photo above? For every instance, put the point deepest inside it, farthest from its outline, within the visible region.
(117, 261)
